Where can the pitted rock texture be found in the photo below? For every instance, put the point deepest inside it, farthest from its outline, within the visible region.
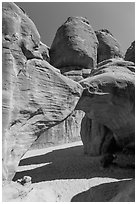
(130, 53)
(35, 95)
(75, 44)
(108, 46)
(108, 99)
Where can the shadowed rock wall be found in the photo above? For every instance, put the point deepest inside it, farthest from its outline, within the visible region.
(130, 53)
(108, 47)
(108, 100)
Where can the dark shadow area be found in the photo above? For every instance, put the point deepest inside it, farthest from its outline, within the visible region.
(69, 163)
(105, 192)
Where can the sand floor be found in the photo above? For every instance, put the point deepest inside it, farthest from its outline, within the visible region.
(68, 171)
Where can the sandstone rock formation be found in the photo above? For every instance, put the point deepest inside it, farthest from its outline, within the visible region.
(108, 46)
(108, 100)
(73, 52)
(64, 132)
(126, 192)
(35, 95)
(74, 46)
(130, 53)
(121, 191)
(39, 102)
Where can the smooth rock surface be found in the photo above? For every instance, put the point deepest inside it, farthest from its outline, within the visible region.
(121, 191)
(130, 53)
(108, 99)
(108, 47)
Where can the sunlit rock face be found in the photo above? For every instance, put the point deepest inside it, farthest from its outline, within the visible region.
(108, 47)
(74, 53)
(35, 95)
(108, 100)
(41, 106)
(130, 53)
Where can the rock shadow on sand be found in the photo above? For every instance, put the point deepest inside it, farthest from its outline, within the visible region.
(68, 163)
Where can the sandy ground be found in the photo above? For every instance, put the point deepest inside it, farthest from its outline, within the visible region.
(68, 171)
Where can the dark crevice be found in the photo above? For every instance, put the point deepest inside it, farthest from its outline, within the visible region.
(27, 53)
(31, 113)
(15, 122)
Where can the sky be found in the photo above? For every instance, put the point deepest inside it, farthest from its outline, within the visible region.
(117, 17)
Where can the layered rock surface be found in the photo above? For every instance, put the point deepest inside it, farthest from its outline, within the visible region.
(39, 102)
(73, 52)
(64, 132)
(35, 95)
(130, 53)
(108, 100)
(108, 47)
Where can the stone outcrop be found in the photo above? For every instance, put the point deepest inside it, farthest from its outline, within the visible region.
(17, 27)
(73, 52)
(120, 191)
(130, 53)
(35, 95)
(43, 105)
(96, 138)
(64, 132)
(108, 46)
(126, 192)
(74, 46)
(108, 100)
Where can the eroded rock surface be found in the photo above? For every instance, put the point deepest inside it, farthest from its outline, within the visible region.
(74, 53)
(108, 47)
(35, 95)
(130, 53)
(108, 100)
(75, 45)
(64, 132)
